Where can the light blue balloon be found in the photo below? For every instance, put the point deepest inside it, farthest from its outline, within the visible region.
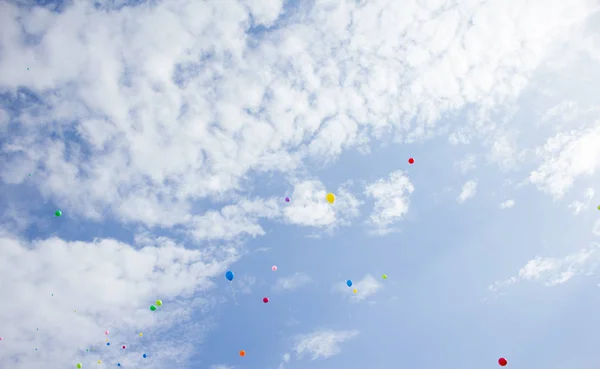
(229, 275)
(349, 283)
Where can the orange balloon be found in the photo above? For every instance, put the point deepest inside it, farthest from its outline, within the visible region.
(242, 353)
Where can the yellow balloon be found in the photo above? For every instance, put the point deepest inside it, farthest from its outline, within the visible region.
(99, 361)
(141, 334)
(330, 198)
(355, 290)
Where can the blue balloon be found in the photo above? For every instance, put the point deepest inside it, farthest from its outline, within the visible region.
(107, 343)
(118, 364)
(144, 356)
(229, 275)
(349, 283)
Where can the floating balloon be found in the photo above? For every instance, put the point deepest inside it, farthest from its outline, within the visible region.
(118, 364)
(141, 334)
(411, 161)
(274, 268)
(107, 343)
(330, 198)
(502, 361)
(79, 365)
(99, 361)
(265, 300)
(158, 302)
(123, 347)
(355, 290)
(229, 275)
(242, 353)
(598, 207)
(384, 276)
(152, 307)
(1, 338)
(58, 213)
(287, 199)
(144, 356)
(349, 283)
(106, 331)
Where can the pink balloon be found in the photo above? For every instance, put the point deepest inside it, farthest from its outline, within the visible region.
(123, 347)
(274, 268)
(265, 300)
(106, 331)
(1, 338)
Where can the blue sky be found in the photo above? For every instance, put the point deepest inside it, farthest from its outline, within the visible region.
(170, 133)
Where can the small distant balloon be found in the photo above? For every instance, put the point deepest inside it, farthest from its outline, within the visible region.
(355, 290)
(265, 299)
(411, 161)
(58, 213)
(229, 275)
(106, 331)
(242, 353)
(502, 361)
(384, 276)
(118, 364)
(349, 283)
(1, 338)
(287, 199)
(141, 334)
(152, 307)
(144, 356)
(158, 302)
(107, 343)
(330, 198)
(598, 207)
(99, 361)
(274, 268)
(79, 365)
(123, 347)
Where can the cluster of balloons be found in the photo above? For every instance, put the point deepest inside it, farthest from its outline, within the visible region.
(158, 303)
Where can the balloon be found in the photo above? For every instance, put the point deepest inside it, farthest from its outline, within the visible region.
(107, 343)
(106, 332)
(287, 199)
(99, 361)
(598, 207)
(349, 283)
(118, 364)
(144, 356)
(274, 268)
(502, 361)
(79, 365)
(355, 290)
(242, 353)
(411, 161)
(58, 213)
(158, 302)
(141, 334)
(152, 307)
(229, 275)
(330, 198)
(123, 347)
(1, 338)
(384, 276)
(265, 300)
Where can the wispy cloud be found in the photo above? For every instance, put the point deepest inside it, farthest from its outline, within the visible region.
(507, 204)
(322, 344)
(554, 271)
(469, 189)
(391, 196)
(291, 283)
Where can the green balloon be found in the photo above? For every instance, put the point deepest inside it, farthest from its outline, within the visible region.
(158, 302)
(58, 213)
(79, 365)
(598, 207)
(384, 276)
(152, 307)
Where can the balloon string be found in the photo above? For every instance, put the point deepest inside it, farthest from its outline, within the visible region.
(233, 293)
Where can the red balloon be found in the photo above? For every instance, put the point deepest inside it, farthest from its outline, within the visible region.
(411, 161)
(265, 300)
(502, 361)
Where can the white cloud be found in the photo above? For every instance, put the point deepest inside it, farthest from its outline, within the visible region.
(322, 344)
(555, 271)
(366, 287)
(391, 197)
(111, 285)
(567, 156)
(507, 204)
(469, 189)
(466, 165)
(291, 283)
(579, 206)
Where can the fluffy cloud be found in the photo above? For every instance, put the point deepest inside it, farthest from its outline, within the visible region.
(391, 196)
(322, 344)
(291, 283)
(554, 271)
(507, 204)
(110, 285)
(469, 189)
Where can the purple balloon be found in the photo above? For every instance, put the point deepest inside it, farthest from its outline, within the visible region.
(287, 199)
